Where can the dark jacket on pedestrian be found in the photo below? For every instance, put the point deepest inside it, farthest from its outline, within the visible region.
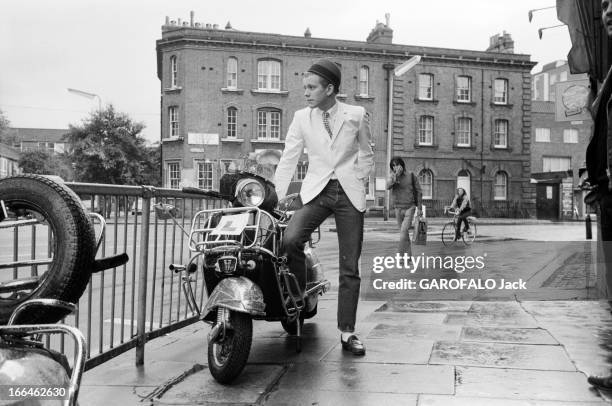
(405, 191)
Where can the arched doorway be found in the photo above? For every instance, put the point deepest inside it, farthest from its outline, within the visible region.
(463, 181)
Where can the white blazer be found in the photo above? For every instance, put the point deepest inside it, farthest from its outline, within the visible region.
(348, 153)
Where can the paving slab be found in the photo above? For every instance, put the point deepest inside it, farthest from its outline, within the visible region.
(415, 331)
(559, 386)
(508, 335)
(427, 307)
(492, 320)
(370, 378)
(445, 400)
(289, 397)
(494, 314)
(520, 356)
(499, 309)
(152, 373)
(200, 388)
(113, 395)
(406, 318)
(584, 328)
(389, 351)
(283, 350)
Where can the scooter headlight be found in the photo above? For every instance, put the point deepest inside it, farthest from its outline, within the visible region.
(250, 192)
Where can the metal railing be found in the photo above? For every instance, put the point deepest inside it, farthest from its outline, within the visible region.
(123, 308)
(487, 208)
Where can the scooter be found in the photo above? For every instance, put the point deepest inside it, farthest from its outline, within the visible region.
(246, 276)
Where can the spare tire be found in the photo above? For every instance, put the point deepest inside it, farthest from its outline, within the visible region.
(72, 246)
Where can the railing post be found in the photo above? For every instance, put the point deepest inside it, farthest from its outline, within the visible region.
(147, 194)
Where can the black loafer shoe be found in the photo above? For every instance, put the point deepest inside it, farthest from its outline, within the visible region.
(601, 382)
(353, 345)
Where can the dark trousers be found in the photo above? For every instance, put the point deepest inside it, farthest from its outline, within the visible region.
(604, 243)
(349, 226)
(462, 218)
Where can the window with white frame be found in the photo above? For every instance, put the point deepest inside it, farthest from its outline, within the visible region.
(464, 88)
(500, 136)
(556, 163)
(542, 134)
(300, 171)
(173, 71)
(364, 80)
(4, 165)
(426, 181)
(464, 132)
(232, 118)
(232, 73)
(570, 136)
(426, 124)
(173, 120)
(268, 75)
(426, 86)
(268, 124)
(500, 94)
(174, 175)
(205, 175)
(500, 189)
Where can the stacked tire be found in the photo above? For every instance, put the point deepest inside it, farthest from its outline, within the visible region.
(73, 245)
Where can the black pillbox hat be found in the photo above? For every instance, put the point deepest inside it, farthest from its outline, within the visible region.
(327, 70)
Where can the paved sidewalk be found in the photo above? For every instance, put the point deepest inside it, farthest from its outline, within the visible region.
(510, 352)
(419, 353)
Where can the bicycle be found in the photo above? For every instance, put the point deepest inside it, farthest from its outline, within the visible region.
(449, 229)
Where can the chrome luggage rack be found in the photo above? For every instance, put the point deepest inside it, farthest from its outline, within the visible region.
(202, 239)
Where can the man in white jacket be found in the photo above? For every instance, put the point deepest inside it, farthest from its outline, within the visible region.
(340, 159)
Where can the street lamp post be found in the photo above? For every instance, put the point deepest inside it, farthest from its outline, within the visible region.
(530, 13)
(394, 71)
(88, 95)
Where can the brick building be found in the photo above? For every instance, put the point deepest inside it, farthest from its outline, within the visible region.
(561, 130)
(33, 139)
(9, 161)
(458, 117)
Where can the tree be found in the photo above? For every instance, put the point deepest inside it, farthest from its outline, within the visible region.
(152, 165)
(108, 148)
(43, 163)
(6, 136)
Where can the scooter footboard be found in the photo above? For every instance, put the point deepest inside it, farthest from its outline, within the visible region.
(238, 294)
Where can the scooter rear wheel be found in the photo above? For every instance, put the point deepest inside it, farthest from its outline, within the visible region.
(228, 354)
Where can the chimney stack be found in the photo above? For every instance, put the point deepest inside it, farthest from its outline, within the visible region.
(381, 33)
(191, 15)
(501, 43)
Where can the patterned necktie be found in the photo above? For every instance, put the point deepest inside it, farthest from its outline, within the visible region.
(326, 123)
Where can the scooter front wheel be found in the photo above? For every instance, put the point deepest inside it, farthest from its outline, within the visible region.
(229, 352)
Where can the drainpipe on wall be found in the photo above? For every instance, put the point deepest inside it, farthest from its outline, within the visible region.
(482, 118)
(389, 67)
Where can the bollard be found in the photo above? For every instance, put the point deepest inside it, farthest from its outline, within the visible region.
(587, 223)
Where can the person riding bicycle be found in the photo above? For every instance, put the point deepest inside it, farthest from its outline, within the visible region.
(461, 204)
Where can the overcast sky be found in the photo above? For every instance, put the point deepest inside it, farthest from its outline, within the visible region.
(108, 47)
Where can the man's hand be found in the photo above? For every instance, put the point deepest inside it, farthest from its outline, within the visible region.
(393, 177)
